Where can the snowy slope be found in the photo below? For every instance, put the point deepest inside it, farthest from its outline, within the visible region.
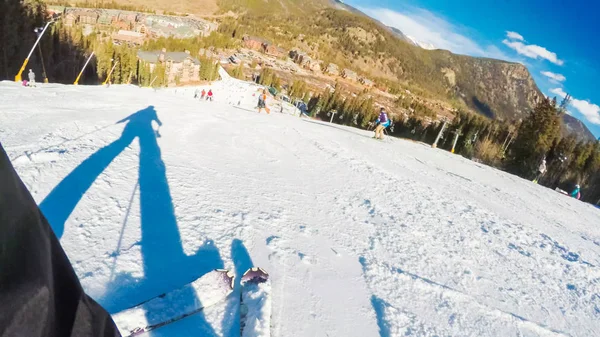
(424, 45)
(360, 237)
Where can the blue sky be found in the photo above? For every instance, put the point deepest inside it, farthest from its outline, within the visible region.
(558, 41)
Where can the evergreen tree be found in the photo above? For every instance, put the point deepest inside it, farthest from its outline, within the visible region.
(238, 72)
(535, 137)
(18, 19)
(160, 73)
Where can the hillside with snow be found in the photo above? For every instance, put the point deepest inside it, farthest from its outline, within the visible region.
(149, 190)
(424, 45)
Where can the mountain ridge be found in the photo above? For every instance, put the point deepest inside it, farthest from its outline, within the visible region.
(339, 33)
(520, 106)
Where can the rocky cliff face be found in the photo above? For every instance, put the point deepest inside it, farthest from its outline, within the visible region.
(501, 90)
(495, 88)
(574, 126)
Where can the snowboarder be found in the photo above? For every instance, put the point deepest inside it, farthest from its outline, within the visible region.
(209, 96)
(31, 76)
(203, 94)
(41, 294)
(382, 122)
(541, 171)
(262, 102)
(576, 192)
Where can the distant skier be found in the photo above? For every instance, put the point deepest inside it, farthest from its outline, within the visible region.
(303, 109)
(196, 93)
(576, 192)
(209, 95)
(382, 122)
(541, 171)
(262, 102)
(31, 76)
(203, 94)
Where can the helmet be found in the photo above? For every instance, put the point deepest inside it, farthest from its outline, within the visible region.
(577, 186)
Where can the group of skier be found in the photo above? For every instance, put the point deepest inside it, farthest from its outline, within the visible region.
(204, 95)
(576, 193)
(383, 121)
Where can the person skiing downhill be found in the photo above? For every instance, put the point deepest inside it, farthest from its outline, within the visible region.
(576, 192)
(31, 76)
(382, 122)
(541, 171)
(209, 96)
(202, 94)
(262, 102)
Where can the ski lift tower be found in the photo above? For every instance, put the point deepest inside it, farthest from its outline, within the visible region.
(18, 77)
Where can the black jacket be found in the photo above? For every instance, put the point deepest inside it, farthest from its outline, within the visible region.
(40, 295)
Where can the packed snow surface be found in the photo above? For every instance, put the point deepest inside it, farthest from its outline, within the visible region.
(256, 309)
(148, 190)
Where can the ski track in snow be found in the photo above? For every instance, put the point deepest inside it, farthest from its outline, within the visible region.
(361, 238)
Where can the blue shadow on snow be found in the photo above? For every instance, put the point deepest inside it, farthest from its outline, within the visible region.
(379, 306)
(242, 262)
(165, 264)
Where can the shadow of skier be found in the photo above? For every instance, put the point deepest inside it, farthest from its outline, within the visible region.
(379, 307)
(165, 264)
(62, 200)
(242, 262)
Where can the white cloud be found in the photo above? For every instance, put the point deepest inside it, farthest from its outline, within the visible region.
(559, 91)
(590, 111)
(554, 77)
(533, 51)
(430, 29)
(515, 36)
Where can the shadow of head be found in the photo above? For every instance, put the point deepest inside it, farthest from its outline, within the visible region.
(142, 118)
(140, 123)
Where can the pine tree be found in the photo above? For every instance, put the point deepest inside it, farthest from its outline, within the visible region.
(535, 137)
(238, 72)
(17, 22)
(159, 72)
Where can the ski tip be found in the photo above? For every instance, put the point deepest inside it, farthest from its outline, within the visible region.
(255, 274)
(228, 277)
